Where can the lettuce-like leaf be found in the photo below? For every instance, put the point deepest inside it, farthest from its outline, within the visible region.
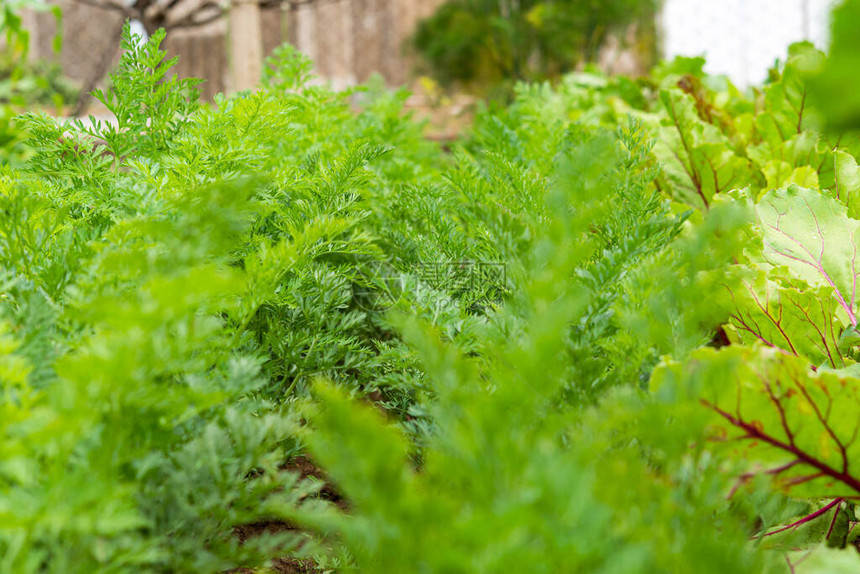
(811, 234)
(770, 408)
(847, 182)
(799, 321)
(698, 160)
(786, 99)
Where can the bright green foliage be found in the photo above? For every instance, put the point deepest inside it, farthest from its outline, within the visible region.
(782, 413)
(773, 410)
(149, 107)
(506, 483)
(718, 140)
(613, 330)
(140, 438)
(711, 138)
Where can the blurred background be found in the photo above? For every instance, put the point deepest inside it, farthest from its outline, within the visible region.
(54, 50)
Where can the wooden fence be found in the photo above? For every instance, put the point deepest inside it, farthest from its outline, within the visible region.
(348, 40)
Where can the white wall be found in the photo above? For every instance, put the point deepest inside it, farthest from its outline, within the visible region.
(742, 38)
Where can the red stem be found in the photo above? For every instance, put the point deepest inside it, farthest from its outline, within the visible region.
(802, 456)
(806, 519)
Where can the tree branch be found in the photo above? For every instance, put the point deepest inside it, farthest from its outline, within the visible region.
(117, 5)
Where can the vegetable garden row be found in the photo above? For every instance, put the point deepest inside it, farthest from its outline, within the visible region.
(613, 329)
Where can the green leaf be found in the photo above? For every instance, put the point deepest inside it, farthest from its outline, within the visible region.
(786, 99)
(810, 234)
(848, 182)
(823, 560)
(804, 151)
(698, 160)
(776, 172)
(798, 320)
(804, 176)
(797, 426)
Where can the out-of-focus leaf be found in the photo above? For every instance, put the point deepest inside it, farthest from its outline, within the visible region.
(771, 409)
(837, 88)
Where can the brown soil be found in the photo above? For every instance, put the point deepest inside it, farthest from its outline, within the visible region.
(446, 117)
(285, 566)
(305, 468)
(246, 531)
(281, 565)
